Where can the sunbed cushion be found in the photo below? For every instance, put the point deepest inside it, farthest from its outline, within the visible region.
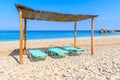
(37, 53)
(73, 48)
(81, 49)
(57, 50)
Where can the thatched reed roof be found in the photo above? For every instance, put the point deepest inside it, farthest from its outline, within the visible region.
(30, 13)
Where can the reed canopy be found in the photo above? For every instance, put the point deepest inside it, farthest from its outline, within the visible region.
(29, 13)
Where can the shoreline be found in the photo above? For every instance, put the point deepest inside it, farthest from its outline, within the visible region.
(63, 38)
(9, 46)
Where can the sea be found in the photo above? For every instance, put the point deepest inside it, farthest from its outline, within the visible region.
(12, 35)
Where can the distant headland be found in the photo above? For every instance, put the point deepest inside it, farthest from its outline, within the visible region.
(105, 31)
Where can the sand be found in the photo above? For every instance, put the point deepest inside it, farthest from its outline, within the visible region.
(103, 65)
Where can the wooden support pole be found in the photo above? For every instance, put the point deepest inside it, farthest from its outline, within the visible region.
(21, 38)
(75, 34)
(25, 23)
(92, 36)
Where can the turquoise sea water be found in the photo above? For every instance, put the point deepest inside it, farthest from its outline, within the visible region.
(14, 35)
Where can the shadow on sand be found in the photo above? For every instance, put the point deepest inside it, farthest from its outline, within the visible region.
(56, 56)
(14, 53)
(73, 54)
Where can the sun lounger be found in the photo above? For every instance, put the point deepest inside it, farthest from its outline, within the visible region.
(55, 50)
(73, 49)
(36, 54)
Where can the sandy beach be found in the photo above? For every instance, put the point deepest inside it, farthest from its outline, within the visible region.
(103, 65)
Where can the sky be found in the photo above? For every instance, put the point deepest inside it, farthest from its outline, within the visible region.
(108, 11)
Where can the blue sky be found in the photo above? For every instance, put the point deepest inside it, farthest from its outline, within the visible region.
(108, 11)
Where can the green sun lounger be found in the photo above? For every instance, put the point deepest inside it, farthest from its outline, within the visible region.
(35, 54)
(73, 49)
(58, 51)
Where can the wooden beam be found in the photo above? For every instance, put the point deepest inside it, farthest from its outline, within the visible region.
(25, 23)
(92, 36)
(75, 34)
(21, 38)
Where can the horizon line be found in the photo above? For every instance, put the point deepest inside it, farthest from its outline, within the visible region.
(47, 30)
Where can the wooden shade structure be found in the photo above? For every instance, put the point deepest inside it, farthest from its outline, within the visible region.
(29, 13)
